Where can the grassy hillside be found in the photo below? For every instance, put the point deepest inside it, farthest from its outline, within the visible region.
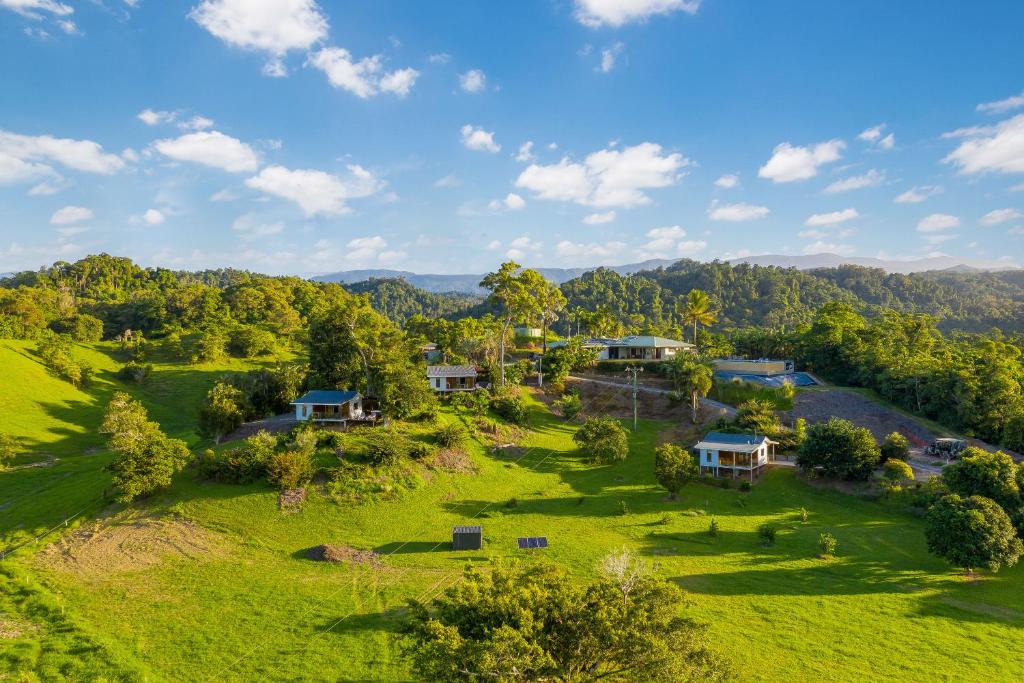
(213, 582)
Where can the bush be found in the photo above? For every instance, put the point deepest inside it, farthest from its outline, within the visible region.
(569, 406)
(980, 473)
(290, 469)
(419, 450)
(10, 446)
(827, 543)
(713, 528)
(767, 533)
(745, 486)
(450, 436)
(623, 507)
(242, 465)
(386, 447)
(249, 342)
(895, 447)
(222, 412)
(894, 471)
(603, 439)
(674, 468)
(55, 350)
(840, 449)
(803, 515)
(511, 407)
(133, 371)
(81, 327)
(210, 347)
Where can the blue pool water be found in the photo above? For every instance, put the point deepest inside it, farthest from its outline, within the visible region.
(797, 379)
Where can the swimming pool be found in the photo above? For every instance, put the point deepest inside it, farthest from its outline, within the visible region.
(797, 379)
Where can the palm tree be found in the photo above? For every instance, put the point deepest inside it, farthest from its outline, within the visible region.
(690, 376)
(698, 311)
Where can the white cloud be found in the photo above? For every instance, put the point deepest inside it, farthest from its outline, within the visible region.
(1000, 216)
(71, 214)
(478, 139)
(668, 242)
(223, 196)
(363, 78)
(727, 181)
(23, 157)
(45, 188)
(832, 218)
(196, 123)
(153, 217)
(789, 163)
(1002, 106)
(1001, 150)
(33, 8)
(873, 134)
(812, 234)
(736, 212)
(316, 192)
(473, 80)
(152, 118)
(249, 227)
(511, 202)
(608, 56)
(969, 132)
(271, 26)
(597, 13)
(447, 181)
(857, 182)
(599, 218)
(399, 82)
(493, 245)
(370, 251)
(211, 148)
(607, 178)
(520, 246)
(939, 238)
(588, 252)
(820, 247)
(937, 222)
(439, 58)
(916, 195)
(525, 152)
(888, 142)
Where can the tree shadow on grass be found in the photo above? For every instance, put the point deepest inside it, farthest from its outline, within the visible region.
(408, 547)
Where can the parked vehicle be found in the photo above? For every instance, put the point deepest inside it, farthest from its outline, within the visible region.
(947, 449)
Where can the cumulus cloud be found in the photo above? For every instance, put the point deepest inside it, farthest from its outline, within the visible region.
(821, 247)
(473, 80)
(874, 137)
(316, 192)
(1002, 106)
(511, 202)
(727, 181)
(789, 163)
(248, 226)
(857, 182)
(273, 27)
(597, 13)
(607, 178)
(34, 9)
(521, 246)
(999, 148)
(28, 157)
(210, 148)
(370, 251)
(525, 152)
(478, 139)
(608, 57)
(599, 218)
(153, 217)
(439, 58)
(916, 195)
(937, 222)
(152, 118)
(736, 212)
(1001, 216)
(196, 123)
(588, 253)
(668, 242)
(832, 218)
(71, 214)
(363, 78)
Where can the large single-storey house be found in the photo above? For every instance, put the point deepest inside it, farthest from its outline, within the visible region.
(322, 405)
(528, 332)
(645, 347)
(734, 454)
(762, 367)
(445, 378)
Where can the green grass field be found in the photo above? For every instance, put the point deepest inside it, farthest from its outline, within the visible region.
(212, 582)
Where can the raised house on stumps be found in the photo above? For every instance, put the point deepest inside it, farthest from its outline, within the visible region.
(445, 378)
(735, 455)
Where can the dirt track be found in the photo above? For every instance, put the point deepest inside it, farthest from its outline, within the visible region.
(818, 405)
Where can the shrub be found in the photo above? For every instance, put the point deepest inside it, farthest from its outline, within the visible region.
(569, 406)
(81, 327)
(386, 447)
(290, 469)
(419, 450)
(623, 507)
(603, 439)
(134, 371)
(767, 532)
(726, 483)
(895, 447)
(980, 473)
(803, 515)
(840, 449)
(450, 436)
(511, 407)
(210, 347)
(55, 350)
(674, 468)
(241, 465)
(222, 412)
(745, 486)
(9, 447)
(713, 528)
(896, 471)
(249, 342)
(827, 543)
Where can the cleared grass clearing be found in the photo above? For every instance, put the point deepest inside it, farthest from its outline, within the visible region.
(256, 607)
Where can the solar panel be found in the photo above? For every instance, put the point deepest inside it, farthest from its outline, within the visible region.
(530, 542)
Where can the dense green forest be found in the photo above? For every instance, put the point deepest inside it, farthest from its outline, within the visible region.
(398, 300)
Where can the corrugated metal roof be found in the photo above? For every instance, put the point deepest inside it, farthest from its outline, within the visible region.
(327, 397)
(725, 437)
(451, 371)
(650, 341)
(466, 529)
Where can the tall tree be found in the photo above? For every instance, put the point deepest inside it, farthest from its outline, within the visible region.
(548, 299)
(698, 310)
(510, 293)
(692, 377)
(972, 532)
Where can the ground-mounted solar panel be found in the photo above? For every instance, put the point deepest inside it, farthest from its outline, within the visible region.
(532, 542)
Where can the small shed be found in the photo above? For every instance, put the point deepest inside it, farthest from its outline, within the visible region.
(467, 537)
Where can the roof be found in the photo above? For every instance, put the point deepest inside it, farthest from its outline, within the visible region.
(451, 371)
(742, 443)
(726, 437)
(429, 346)
(327, 397)
(650, 341)
(466, 529)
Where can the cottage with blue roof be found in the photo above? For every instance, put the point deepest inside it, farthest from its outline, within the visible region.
(321, 405)
(734, 454)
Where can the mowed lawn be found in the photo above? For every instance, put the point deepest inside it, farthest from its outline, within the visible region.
(227, 591)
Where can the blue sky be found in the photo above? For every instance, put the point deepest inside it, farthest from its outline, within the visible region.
(293, 136)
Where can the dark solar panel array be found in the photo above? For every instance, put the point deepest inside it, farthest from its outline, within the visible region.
(532, 542)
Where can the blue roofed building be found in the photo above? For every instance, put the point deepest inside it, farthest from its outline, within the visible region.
(734, 455)
(326, 405)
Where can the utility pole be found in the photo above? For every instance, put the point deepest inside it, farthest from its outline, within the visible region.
(634, 371)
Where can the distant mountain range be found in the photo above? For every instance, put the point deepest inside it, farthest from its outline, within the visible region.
(469, 283)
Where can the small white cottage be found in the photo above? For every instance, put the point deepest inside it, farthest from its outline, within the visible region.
(734, 454)
(323, 405)
(445, 378)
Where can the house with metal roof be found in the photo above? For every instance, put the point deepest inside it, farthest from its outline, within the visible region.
(323, 405)
(646, 347)
(445, 378)
(734, 454)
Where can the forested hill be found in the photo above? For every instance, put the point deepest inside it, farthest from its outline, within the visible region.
(784, 297)
(398, 300)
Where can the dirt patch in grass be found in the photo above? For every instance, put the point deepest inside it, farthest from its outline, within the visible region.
(109, 547)
(617, 401)
(509, 451)
(452, 460)
(13, 628)
(329, 552)
(684, 434)
(291, 500)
